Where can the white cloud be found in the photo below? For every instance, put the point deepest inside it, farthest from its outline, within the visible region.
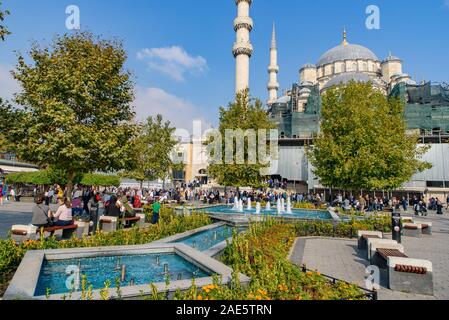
(173, 61)
(8, 85)
(153, 101)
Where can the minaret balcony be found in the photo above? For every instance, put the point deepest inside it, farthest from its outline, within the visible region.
(242, 48)
(238, 1)
(243, 22)
(272, 69)
(273, 86)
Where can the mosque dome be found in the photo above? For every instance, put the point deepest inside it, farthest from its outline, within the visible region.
(345, 78)
(346, 51)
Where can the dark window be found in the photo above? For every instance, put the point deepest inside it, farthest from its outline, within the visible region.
(435, 184)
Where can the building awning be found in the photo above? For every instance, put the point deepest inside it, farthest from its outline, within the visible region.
(11, 169)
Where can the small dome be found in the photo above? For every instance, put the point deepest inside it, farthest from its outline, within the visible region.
(346, 52)
(346, 78)
(308, 66)
(391, 58)
(304, 91)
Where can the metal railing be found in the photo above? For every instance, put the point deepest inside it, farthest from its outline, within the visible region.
(368, 295)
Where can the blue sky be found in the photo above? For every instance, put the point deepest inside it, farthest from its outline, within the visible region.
(180, 51)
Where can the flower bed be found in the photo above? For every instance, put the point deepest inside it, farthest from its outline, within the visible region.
(169, 224)
(261, 253)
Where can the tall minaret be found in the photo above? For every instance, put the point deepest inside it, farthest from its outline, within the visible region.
(273, 69)
(243, 49)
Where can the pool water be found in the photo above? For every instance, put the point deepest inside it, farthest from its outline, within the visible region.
(296, 213)
(205, 240)
(140, 270)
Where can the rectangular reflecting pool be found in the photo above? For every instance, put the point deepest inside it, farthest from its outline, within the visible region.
(296, 213)
(61, 276)
(58, 274)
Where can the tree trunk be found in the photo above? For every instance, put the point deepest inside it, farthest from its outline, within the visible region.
(69, 187)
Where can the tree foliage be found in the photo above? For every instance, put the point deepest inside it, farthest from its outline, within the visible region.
(152, 150)
(42, 178)
(100, 180)
(3, 30)
(49, 177)
(242, 114)
(76, 113)
(363, 143)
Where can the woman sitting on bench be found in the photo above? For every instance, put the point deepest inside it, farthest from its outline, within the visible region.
(41, 214)
(63, 216)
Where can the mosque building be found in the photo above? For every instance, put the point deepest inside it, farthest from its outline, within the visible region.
(297, 112)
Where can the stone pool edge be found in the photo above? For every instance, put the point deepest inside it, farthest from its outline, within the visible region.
(24, 282)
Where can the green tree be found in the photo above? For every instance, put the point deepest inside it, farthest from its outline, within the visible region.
(76, 113)
(363, 143)
(3, 30)
(4, 147)
(152, 150)
(242, 116)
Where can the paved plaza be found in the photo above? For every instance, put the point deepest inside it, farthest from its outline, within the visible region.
(340, 258)
(13, 213)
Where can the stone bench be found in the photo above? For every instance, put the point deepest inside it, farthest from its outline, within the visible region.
(363, 236)
(21, 233)
(411, 230)
(407, 220)
(374, 243)
(426, 227)
(410, 275)
(107, 224)
(58, 231)
(110, 224)
(380, 257)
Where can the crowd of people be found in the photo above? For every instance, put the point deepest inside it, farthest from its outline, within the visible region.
(9, 194)
(82, 202)
(369, 204)
(87, 203)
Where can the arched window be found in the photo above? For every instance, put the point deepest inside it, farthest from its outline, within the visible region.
(364, 67)
(343, 67)
(354, 67)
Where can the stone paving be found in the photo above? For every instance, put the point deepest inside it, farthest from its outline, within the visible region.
(341, 259)
(13, 213)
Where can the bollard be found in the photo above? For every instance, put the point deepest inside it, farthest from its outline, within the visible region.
(396, 225)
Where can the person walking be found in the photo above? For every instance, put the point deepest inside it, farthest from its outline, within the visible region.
(156, 210)
(439, 206)
(12, 194)
(1, 195)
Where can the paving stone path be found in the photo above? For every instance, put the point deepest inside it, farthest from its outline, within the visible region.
(340, 258)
